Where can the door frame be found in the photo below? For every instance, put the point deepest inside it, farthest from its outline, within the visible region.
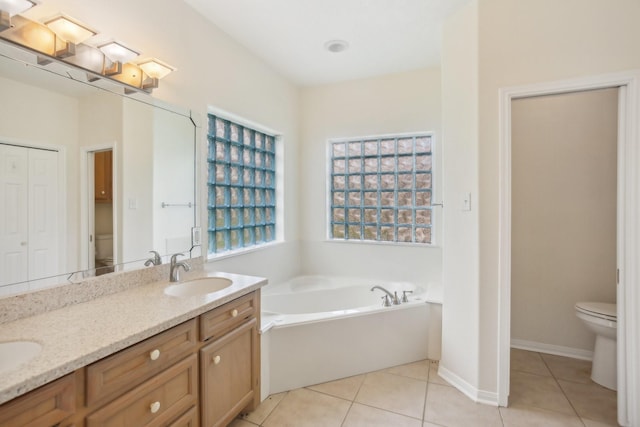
(628, 231)
(87, 196)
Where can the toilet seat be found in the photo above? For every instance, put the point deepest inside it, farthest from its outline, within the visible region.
(602, 310)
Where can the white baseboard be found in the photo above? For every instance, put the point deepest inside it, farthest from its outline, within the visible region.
(558, 350)
(480, 396)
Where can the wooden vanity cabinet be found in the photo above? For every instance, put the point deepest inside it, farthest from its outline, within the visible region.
(46, 406)
(230, 361)
(103, 179)
(203, 372)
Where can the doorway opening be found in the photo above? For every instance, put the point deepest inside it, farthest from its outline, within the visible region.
(626, 242)
(100, 211)
(563, 251)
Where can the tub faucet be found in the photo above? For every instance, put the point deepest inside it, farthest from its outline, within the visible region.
(174, 270)
(392, 296)
(155, 259)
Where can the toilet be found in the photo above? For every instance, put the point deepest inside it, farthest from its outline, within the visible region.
(601, 318)
(104, 252)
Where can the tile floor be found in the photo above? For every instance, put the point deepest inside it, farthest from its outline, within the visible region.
(546, 391)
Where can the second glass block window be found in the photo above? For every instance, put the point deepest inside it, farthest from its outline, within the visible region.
(381, 189)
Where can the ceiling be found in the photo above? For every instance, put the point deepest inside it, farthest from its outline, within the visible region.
(384, 36)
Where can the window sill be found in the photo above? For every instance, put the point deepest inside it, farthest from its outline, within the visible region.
(376, 243)
(243, 251)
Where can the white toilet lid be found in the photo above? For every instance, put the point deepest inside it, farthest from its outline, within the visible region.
(603, 310)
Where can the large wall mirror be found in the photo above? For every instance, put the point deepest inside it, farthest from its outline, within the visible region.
(90, 180)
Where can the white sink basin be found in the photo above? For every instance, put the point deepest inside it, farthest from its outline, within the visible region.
(202, 286)
(15, 353)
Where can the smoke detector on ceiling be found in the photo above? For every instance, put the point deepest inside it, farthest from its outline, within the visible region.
(336, 46)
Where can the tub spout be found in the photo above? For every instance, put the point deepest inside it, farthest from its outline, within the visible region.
(392, 296)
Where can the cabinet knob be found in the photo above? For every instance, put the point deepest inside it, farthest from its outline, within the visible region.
(102, 192)
(234, 313)
(154, 407)
(216, 360)
(154, 354)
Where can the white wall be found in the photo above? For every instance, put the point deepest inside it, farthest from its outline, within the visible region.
(531, 41)
(213, 70)
(563, 241)
(136, 169)
(460, 141)
(517, 43)
(397, 103)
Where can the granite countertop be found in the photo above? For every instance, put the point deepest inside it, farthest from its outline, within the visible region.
(80, 334)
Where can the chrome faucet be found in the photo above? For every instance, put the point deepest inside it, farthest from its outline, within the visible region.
(393, 297)
(174, 271)
(155, 259)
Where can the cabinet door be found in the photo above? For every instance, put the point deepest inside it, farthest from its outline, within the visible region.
(44, 407)
(103, 176)
(228, 375)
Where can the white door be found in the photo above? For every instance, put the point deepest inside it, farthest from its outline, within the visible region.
(43, 213)
(13, 214)
(29, 214)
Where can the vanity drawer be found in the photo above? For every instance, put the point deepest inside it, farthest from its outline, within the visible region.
(154, 403)
(116, 374)
(223, 319)
(188, 419)
(43, 407)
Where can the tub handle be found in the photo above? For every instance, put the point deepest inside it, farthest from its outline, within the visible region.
(386, 302)
(404, 295)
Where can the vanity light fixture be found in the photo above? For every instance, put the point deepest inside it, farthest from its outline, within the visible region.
(117, 52)
(8, 8)
(155, 68)
(88, 58)
(69, 29)
(62, 39)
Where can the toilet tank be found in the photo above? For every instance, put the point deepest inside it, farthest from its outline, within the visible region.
(104, 246)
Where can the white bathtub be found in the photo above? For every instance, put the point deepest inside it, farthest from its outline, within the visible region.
(317, 329)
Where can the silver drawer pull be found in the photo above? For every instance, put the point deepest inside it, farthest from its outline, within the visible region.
(154, 407)
(216, 360)
(154, 354)
(234, 313)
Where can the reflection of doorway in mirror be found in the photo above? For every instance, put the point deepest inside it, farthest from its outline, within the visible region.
(29, 196)
(101, 212)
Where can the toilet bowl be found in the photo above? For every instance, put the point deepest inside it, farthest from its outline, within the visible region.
(104, 250)
(601, 319)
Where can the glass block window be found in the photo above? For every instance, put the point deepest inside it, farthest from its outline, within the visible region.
(381, 189)
(241, 186)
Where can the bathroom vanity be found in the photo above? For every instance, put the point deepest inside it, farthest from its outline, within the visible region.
(204, 370)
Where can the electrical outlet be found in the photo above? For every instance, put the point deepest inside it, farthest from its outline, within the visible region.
(196, 236)
(466, 202)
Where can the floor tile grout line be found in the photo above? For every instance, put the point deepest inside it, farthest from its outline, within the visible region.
(324, 393)
(388, 410)
(286, 393)
(424, 405)
(560, 387)
(346, 414)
